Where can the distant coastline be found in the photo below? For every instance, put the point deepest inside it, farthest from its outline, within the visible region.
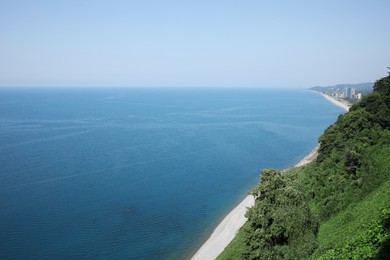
(338, 102)
(224, 233)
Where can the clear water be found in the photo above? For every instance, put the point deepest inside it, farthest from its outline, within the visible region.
(139, 173)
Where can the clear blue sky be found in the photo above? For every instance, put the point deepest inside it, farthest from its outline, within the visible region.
(193, 43)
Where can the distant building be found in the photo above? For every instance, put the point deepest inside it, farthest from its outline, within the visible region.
(353, 93)
(348, 93)
(359, 96)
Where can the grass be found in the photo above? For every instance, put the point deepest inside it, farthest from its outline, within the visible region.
(355, 220)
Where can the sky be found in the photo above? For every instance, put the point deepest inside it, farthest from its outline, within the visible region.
(200, 43)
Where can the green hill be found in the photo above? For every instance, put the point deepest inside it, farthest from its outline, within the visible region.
(337, 207)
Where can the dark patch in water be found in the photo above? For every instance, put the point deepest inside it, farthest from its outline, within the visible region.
(127, 211)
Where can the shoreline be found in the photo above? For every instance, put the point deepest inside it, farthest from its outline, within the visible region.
(226, 230)
(224, 233)
(340, 103)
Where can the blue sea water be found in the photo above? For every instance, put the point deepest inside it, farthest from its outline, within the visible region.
(115, 173)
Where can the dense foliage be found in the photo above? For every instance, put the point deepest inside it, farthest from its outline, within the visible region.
(337, 207)
(281, 224)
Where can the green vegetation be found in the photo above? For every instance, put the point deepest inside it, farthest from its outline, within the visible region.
(337, 207)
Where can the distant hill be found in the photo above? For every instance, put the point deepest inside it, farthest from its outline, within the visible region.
(364, 88)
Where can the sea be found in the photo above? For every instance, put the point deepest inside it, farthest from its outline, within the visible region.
(139, 173)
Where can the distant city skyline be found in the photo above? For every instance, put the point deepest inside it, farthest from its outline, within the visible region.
(193, 43)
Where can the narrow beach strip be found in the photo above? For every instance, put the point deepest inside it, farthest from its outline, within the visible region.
(309, 158)
(227, 229)
(337, 102)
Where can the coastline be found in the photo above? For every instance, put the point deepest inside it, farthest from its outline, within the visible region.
(308, 158)
(340, 103)
(225, 232)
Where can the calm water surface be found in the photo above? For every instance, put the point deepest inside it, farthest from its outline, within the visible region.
(139, 173)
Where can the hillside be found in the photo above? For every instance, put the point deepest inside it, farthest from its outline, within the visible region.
(337, 207)
(364, 88)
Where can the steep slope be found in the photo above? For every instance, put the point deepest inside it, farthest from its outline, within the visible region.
(336, 207)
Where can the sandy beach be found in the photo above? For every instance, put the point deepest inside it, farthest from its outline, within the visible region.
(309, 158)
(227, 229)
(344, 105)
(340, 103)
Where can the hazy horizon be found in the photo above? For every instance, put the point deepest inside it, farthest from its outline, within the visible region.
(182, 86)
(192, 44)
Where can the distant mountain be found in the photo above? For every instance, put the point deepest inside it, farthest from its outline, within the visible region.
(364, 88)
